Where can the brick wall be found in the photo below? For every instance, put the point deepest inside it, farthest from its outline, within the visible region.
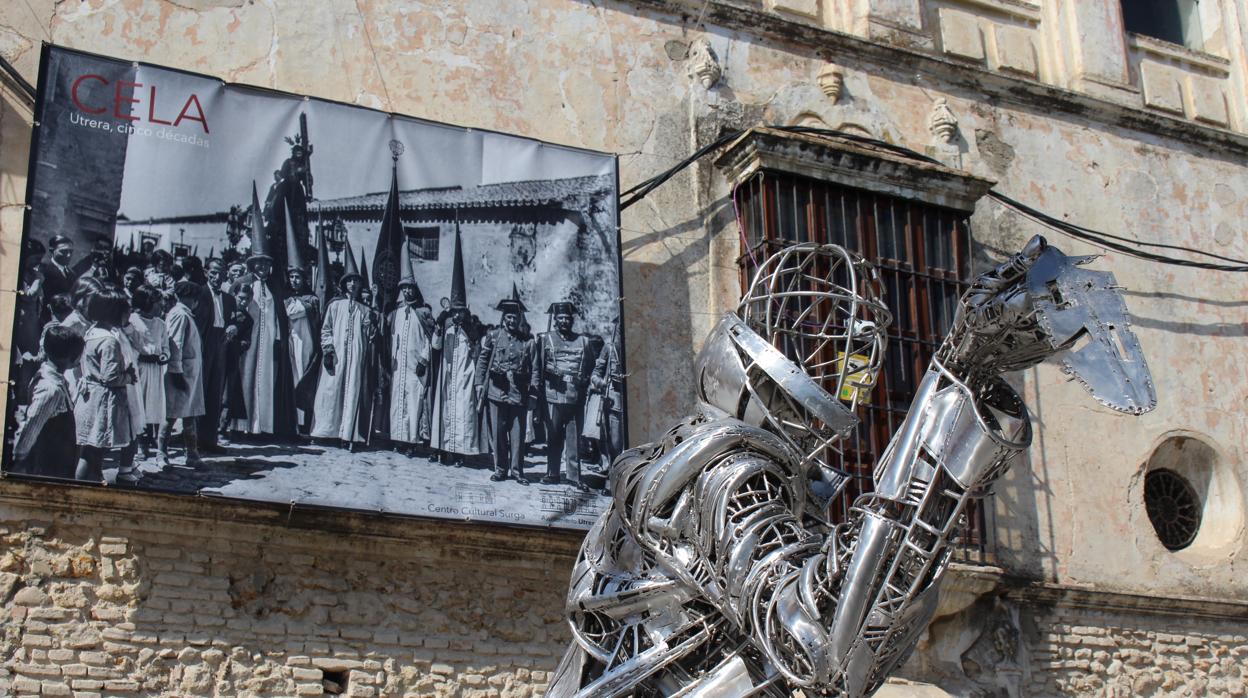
(116, 593)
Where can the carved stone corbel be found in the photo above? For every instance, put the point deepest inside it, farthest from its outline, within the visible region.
(831, 80)
(704, 63)
(942, 123)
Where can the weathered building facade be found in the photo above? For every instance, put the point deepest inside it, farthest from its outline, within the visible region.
(1075, 593)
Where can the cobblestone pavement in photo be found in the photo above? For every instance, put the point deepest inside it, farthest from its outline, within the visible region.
(377, 480)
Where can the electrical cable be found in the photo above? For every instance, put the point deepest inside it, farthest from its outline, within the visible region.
(1118, 243)
(27, 89)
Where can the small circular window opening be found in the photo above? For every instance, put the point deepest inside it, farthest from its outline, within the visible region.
(1173, 508)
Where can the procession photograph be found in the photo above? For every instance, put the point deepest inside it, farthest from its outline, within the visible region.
(244, 294)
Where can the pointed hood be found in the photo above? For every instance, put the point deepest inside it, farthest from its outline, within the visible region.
(364, 269)
(294, 250)
(459, 294)
(409, 275)
(350, 268)
(259, 241)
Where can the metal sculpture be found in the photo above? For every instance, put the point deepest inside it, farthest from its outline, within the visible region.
(714, 571)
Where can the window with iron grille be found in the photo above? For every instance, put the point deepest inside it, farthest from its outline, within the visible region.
(922, 251)
(423, 241)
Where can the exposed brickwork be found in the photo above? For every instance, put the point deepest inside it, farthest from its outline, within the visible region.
(147, 605)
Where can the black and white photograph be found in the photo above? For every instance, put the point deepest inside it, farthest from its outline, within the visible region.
(246, 294)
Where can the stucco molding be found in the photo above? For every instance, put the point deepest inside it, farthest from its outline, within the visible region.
(903, 63)
(850, 164)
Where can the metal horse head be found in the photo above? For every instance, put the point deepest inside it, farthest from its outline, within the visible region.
(1083, 314)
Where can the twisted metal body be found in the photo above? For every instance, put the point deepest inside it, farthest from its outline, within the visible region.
(714, 571)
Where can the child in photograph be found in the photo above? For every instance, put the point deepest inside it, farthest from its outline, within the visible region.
(45, 443)
(84, 289)
(184, 386)
(129, 336)
(153, 344)
(60, 306)
(102, 410)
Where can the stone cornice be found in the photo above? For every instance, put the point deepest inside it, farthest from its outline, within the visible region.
(904, 64)
(850, 164)
(154, 509)
(979, 579)
(1157, 603)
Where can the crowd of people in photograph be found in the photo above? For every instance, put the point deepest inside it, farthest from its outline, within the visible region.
(134, 355)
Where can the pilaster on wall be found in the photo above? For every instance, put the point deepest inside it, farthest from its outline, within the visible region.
(1095, 47)
(895, 22)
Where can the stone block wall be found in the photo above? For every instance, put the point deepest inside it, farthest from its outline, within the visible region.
(1076, 651)
(134, 600)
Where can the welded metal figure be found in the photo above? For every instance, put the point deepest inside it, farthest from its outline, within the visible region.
(714, 571)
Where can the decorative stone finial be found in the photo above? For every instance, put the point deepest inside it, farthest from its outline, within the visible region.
(831, 80)
(704, 63)
(942, 123)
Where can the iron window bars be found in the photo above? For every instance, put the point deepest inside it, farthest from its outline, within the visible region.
(922, 252)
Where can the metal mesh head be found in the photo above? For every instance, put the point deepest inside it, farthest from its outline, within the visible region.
(821, 307)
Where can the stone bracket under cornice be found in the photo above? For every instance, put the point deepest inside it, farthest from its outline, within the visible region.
(851, 164)
(750, 19)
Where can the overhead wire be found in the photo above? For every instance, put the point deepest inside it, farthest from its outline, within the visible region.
(1118, 243)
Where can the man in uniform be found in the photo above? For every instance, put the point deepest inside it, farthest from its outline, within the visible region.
(564, 361)
(504, 367)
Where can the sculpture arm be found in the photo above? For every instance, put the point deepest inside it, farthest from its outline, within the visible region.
(952, 445)
(963, 429)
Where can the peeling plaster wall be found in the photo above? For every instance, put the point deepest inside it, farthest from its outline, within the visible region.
(612, 76)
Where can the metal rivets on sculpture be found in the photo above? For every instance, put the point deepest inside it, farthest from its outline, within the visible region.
(714, 572)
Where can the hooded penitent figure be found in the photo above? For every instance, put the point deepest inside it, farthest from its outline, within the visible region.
(345, 337)
(411, 339)
(301, 308)
(267, 377)
(455, 420)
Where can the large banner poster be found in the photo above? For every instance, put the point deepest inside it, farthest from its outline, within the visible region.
(234, 292)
